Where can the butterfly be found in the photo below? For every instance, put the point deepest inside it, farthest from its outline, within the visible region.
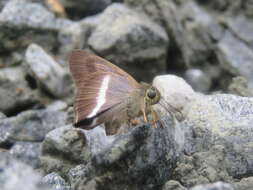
(107, 94)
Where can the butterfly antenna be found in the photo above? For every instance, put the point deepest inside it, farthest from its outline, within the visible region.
(169, 108)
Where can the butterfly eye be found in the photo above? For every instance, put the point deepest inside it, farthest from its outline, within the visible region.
(151, 93)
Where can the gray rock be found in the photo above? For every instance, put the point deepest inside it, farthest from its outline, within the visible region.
(176, 94)
(144, 150)
(48, 73)
(55, 182)
(192, 30)
(2, 116)
(131, 40)
(62, 142)
(173, 185)
(83, 8)
(239, 86)
(236, 57)
(202, 167)
(58, 106)
(242, 28)
(248, 8)
(215, 186)
(73, 37)
(15, 175)
(27, 152)
(30, 125)
(75, 174)
(244, 184)
(224, 120)
(64, 148)
(30, 22)
(200, 81)
(15, 93)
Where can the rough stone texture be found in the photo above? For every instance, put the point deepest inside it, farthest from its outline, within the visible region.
(199, 80)
(15, 175)
(55, 182)
(173, 185)
(123, 158)
(47, 72)
(63, 148)
(27, 152)
(15, 93)
(236, 57)
(31, 125)
(2, 116)
(143, 150)
(239, 86)
(130, 40)
(244, 184)
(33, 24)
(219, 123)
(66, 147)
(215, 186)
(190, 28)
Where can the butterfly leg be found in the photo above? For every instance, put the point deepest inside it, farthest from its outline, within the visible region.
(144, 112)
(155, 117)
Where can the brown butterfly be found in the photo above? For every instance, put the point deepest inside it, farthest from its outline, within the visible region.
(107, 94)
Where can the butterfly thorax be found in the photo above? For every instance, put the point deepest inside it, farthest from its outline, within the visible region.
(141, 100)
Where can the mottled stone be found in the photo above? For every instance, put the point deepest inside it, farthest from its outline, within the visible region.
(15, 175)
(236, 57)
(49, 74)
(15, 92)
(27, 152)
(130, 40)
(30, 125)
(55, 182)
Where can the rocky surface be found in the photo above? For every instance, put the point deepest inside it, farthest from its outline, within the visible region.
(202, 142)
(16, 175)
(31, 125)
(47, 72)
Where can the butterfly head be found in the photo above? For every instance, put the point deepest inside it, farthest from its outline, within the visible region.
(152, 95)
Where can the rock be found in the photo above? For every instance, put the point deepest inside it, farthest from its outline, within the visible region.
(199, 80)
(55, 182)
(239, 86)
(48, 73)
(143, 150)
(58, 106)
(173, 185)
(241, 28)
(192, 30)
(215, 186)
(244, 184)
(73, 37)
(65, 141)
(15, 175)
(30, 22)
(75, 174)
(2, 116)
(202, 167)
(175, 92)
(224, 120)
(15, 92)
(81, 8)
(59, 145)
(235, 57)
(30, 125)
(131, 40)
(27, 152)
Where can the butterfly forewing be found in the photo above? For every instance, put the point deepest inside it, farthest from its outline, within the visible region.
(100, 85)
